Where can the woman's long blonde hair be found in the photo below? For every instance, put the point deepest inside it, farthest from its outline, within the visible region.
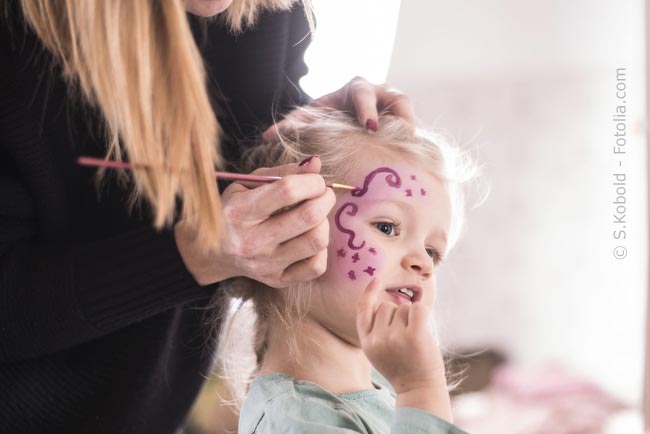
(136, 60)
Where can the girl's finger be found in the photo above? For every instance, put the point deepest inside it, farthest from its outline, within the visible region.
(418, 318)
(384, 316)
(402, 315)
(366, 308)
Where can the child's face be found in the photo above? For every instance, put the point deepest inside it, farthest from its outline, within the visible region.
(394, 229)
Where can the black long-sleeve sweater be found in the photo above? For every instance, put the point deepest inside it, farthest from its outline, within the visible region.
(102, 328)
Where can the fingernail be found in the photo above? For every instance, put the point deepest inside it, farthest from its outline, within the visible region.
(371, 125)
(306, 161)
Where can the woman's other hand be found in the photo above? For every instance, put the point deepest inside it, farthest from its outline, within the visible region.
(276, 233)
(361, 97)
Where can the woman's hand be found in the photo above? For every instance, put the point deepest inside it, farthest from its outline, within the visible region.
(402, 347)
(276, 233)
(363, 98)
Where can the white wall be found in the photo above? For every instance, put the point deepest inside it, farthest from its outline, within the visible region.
(532, 84)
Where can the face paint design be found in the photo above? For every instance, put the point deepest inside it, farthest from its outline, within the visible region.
(392, 179)
(337, 219)
(357, 263)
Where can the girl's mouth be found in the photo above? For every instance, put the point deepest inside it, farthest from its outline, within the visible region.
(403, 294)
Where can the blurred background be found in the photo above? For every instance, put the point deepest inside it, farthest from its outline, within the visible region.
(539, 303)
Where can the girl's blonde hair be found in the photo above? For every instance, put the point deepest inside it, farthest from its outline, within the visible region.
(341, 143)
(136, 60)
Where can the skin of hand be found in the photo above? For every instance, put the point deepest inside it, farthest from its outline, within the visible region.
(276, 233)
(401, 346)
(206, 8)
(361, 97)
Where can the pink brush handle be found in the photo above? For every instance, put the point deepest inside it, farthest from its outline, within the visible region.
(98, 162)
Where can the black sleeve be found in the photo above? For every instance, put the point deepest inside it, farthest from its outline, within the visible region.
(60, 284)
(295, 66)
(55, 295)
(254, 76)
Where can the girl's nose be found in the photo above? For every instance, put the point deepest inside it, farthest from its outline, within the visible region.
(419, 261)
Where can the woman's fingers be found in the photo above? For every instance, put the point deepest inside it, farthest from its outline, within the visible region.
(360, 96)
(306, 245)
(276, 233)
(291, 190)
(397, 103)
(305, 270)
(293, 223)
(363, 98)
(367, 100)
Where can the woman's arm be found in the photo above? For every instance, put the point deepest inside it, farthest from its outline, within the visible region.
(58, 295)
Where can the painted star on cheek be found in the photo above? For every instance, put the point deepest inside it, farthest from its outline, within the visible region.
(413, 177)
(372, 250)
(340, 253)
(423, 192)
(409, 192)
(355, 257)
(351, 275)
(369, 270)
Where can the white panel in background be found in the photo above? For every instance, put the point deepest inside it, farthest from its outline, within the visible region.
(353, 37)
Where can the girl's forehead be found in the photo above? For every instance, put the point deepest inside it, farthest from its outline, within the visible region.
(392, 180)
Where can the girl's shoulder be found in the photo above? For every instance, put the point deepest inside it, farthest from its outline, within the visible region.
(281, 403)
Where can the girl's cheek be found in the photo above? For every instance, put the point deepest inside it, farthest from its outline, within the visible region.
(352, 266)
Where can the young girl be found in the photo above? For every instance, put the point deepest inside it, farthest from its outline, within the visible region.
(353, 350)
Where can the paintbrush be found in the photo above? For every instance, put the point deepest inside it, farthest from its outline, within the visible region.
(98, 162)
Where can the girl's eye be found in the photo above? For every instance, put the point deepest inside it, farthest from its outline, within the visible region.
(386, 228)
(433, 254)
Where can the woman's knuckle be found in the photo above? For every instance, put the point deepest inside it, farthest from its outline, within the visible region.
(310, 215)
(314, 267)
(318, 241)
(400, 98)
(320, 265)
(287, 190)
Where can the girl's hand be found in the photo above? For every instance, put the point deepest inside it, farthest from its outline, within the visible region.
(361, 97)
(401, 346)
(276, 233)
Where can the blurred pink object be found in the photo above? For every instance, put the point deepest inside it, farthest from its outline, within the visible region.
(546, 401)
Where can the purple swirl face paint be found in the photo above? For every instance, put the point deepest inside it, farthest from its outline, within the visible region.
(356, 256)
(392, 179)
(353, 208)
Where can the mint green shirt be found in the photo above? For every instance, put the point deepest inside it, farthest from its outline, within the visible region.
(280, 404)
